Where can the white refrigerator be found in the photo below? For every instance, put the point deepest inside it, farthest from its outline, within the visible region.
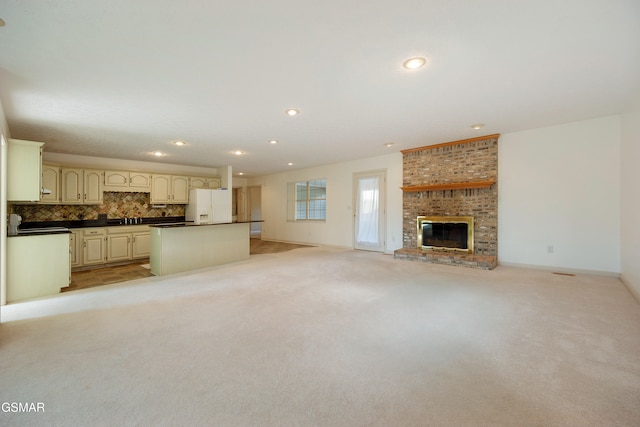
(209, 206)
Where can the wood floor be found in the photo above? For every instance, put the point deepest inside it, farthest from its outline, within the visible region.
(122, 273)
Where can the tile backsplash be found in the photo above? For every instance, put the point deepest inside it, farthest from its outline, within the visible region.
(114, 205)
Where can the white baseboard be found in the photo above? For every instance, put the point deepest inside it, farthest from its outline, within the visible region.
(635, 292)
(561, 269)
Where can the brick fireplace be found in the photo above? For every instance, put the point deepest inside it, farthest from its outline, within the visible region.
(454, 179)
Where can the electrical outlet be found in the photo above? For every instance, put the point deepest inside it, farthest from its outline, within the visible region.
(550, 249)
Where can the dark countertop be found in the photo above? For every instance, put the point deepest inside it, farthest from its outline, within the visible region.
(191, 224)
(101, 222)
(41, 232)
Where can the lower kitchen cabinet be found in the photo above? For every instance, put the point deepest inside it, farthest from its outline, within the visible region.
(37, 265)
(93, 246)
(140, 245)
(118, 247)
(127, 242)
(75, 237)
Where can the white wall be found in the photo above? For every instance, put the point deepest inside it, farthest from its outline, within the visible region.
(337, 230)
(4, 136)
(630, 204)
(560, 186)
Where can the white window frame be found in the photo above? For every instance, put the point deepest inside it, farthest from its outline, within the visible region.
(292, 201)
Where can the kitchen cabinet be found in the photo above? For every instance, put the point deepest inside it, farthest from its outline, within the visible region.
(75, 237)
(140, 245)
(50, 182)
(81, 186)
(93, 246)
(171, 189)
(24, 170)
(51, 252)
(127, 242)
(204, 182)
(127, 181)
(118, 247)
(97, 246)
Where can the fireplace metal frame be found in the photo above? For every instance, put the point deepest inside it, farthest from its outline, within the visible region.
(469, 220)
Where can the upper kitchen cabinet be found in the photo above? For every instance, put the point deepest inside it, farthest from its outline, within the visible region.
(50, 184)
(81, 186)
(172, 189)
(127, 181)
(204, 182)
(24, 170)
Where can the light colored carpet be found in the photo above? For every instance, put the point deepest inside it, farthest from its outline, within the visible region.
(328, 337)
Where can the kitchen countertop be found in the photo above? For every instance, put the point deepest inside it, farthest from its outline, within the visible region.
(39, 228)
(56, 227)
(101, 222)
(40, 231)
(192, 224)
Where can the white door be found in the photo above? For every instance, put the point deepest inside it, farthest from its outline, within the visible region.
(369, 212)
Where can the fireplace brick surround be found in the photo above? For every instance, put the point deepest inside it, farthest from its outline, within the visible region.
(458, 178)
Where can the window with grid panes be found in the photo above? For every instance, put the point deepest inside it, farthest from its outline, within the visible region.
(307, 200)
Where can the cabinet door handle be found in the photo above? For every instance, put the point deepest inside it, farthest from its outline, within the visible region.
(78, 196)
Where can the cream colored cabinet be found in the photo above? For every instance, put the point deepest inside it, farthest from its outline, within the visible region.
(93, 246)
(204, 182)
(50, 183)
(160, 188)
(118, 247)
(81, 186)
(179, 189)
(127, 181)
(92, 187)
(169, 189)
(127, 242)
(75, 237)
(72, 186)
(37, 265)
(197, 182)
(140, 246)
(24, 170)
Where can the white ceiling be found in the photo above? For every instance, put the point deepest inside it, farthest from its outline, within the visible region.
(122, 78)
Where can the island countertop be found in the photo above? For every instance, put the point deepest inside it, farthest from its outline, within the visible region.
(192, 224)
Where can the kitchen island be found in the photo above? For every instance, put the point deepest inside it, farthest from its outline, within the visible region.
(183, 247)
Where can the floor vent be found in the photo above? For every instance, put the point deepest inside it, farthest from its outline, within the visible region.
(564, 274)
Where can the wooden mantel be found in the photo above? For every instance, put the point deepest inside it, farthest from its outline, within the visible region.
(450, 186)
(447, 144)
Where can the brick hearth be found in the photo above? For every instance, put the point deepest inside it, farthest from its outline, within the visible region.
(456, 178)
(484, 262)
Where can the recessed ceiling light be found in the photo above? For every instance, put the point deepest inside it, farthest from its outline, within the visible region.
(159, 153)
(292, 112)
(180, 143)
(415, 62)
(389, 144)
(477, 126)
(238, 152)
(290, 164)
(273, 141)
(240, 173)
